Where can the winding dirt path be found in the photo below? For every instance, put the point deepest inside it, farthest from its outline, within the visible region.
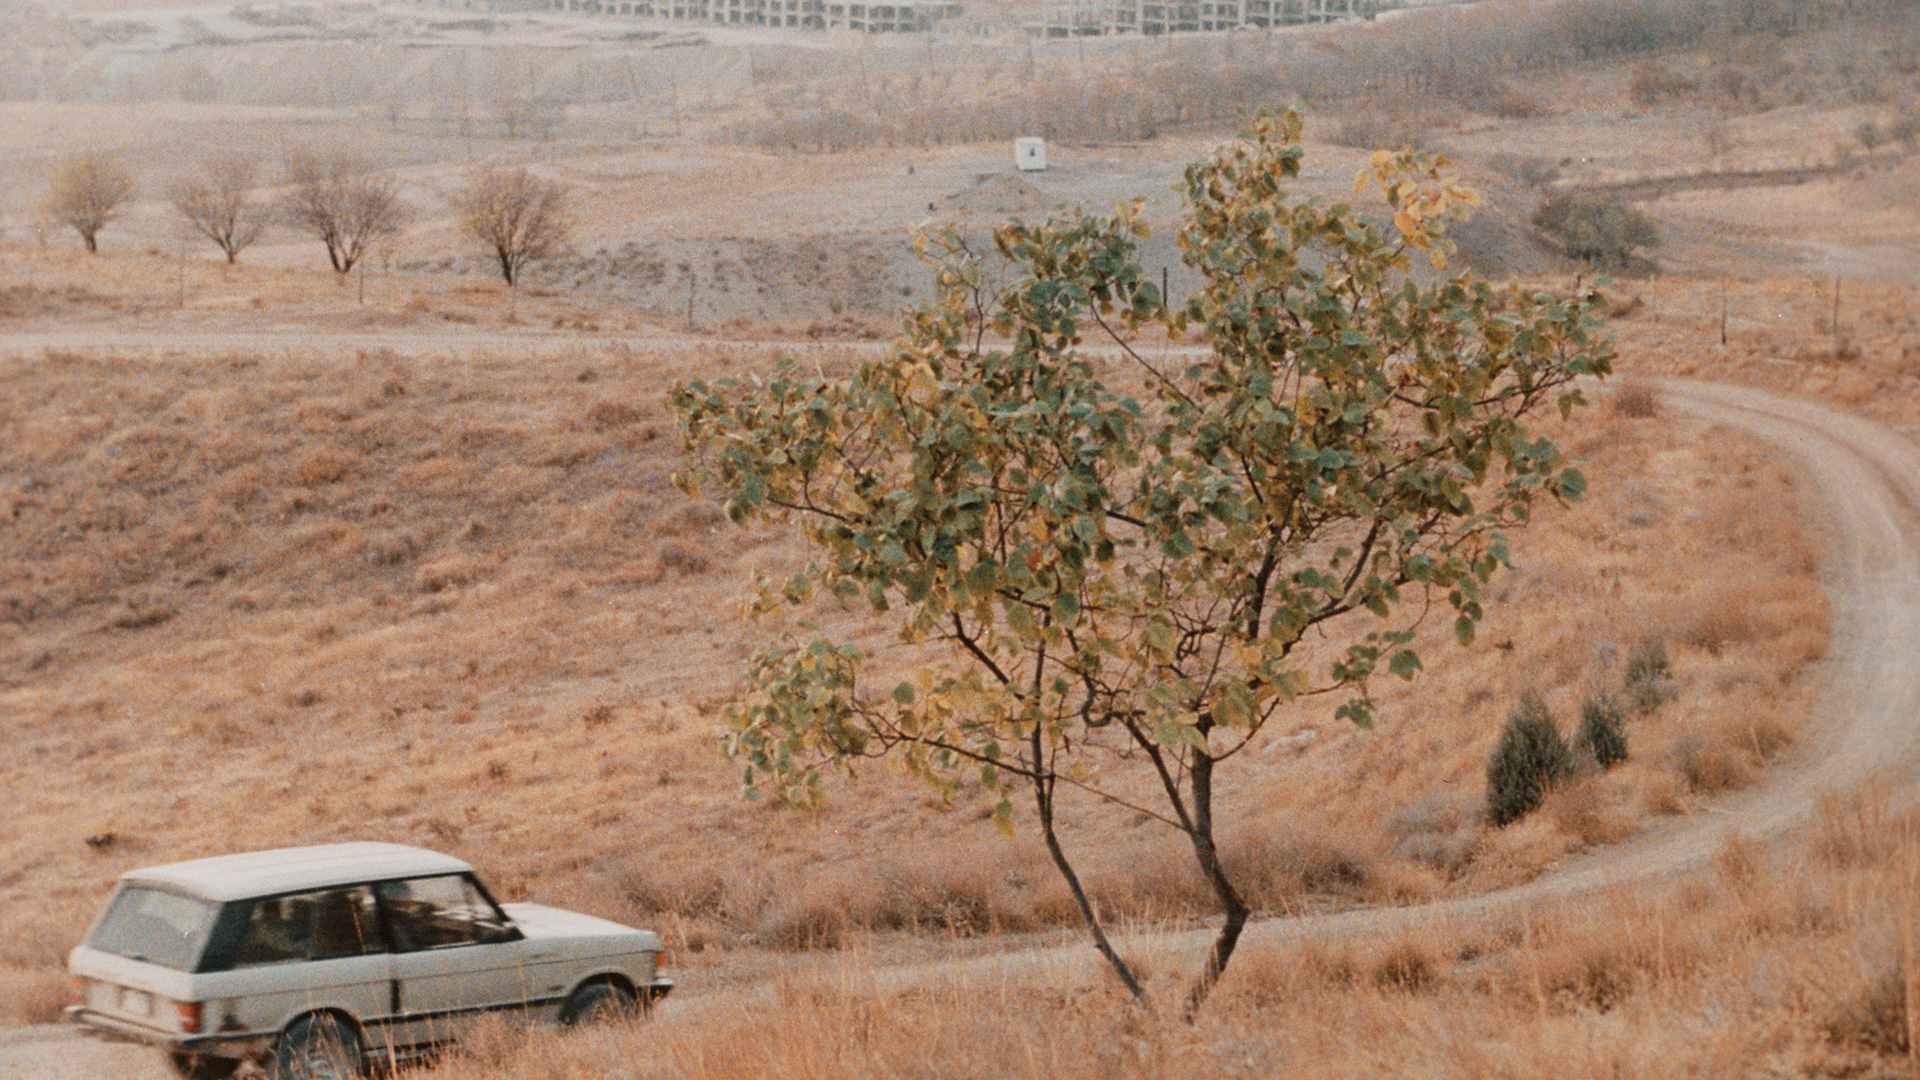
(1866, 725)
(1865, 486)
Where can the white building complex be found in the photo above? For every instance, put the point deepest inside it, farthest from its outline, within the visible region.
(898, 17)
(1077, 18)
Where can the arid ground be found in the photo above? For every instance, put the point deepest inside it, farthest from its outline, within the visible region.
(290, 558)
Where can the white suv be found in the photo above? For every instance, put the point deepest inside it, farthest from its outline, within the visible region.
(320, 961)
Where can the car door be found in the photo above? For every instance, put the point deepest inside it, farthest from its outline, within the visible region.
(456, 956)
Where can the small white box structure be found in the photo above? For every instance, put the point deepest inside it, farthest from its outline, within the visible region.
(1030, 154)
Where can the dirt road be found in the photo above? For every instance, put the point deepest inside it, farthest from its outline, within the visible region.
(1867, 483)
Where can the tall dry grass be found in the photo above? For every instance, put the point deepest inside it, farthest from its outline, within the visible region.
(460, 605)
(254, 600)
(1774, 962)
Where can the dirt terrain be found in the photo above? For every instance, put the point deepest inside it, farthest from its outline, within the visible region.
(1863, 730)
(272, 525)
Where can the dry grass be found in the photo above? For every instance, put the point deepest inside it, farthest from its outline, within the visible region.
(1773, 963)
(447, 598)
(32, 995)
(457, 603)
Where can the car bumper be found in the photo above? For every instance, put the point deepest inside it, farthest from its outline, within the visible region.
(217, 1044)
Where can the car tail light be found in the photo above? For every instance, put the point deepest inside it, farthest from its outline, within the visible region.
(191, 1015)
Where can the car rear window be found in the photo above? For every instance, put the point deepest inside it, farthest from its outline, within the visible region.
(325, 924)
(154, 925)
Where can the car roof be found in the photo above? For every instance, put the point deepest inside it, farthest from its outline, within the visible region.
(265, 873)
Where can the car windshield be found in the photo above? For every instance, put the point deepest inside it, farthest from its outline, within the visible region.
(154, 925)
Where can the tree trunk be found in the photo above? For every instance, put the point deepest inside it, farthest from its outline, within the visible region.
(1208, 855)
(1043, 802)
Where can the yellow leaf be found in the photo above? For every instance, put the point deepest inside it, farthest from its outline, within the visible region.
(1407, 224)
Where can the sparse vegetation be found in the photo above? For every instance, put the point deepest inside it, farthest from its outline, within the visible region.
(87, 192)
(291, 561)
(1786, 960)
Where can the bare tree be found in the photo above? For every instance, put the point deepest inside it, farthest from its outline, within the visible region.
(219, 204)
(342, 202)
(518, 216)
(87, 191)
(529, 116)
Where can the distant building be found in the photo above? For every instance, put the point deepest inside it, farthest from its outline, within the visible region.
(899, 17)
(1030, 155)
(1091, 18)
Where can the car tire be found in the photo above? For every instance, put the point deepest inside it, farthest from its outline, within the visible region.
(319, 1047)
(599, 1003)
(201, 1067)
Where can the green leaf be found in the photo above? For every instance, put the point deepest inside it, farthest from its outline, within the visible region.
(1405, 664)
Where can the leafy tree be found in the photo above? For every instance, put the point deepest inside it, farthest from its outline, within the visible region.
(342, 202)
(1098, 552)
(1530, 759)
(219, 205)
(519, 217)
(87, 191)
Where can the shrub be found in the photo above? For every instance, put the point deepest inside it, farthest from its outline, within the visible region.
(1407, 967)
(1439, 831)
(1374, 133)
(1602, 730)
(1534, 172)
(1648, 680)
(1655, 82)
(1905, 129)
(1597, 229)
(1876, 1019)
(1635, 398)
(1530, 759)
(1710, 763)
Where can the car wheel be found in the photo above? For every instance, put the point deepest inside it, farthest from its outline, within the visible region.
(599, 1003)
(202, 1067)
(318, 1048)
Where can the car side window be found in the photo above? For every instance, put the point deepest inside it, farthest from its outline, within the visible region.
(441, 912)
(321, 925)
